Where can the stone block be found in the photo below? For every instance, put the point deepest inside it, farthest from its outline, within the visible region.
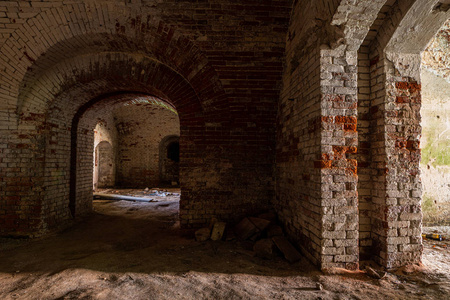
(269, 216)
(218, 231)
(289, 251)
(264, 248)
(346, 258)
(274, 230)
(261, 224)
(245, 229)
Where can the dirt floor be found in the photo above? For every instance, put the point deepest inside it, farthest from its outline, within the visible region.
(136, 250)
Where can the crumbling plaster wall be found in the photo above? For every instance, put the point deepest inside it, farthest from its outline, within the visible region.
(435, 141)
(141, 128)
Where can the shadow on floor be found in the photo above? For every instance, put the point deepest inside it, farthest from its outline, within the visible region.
(124, 236)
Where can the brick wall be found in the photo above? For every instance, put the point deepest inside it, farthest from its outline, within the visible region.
(324, 185)
(64, 65)
(395, 129)
(141, 131)
(298, 140)
(65, 54)
(316, 183)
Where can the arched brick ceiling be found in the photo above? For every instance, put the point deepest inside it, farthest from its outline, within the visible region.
(62, 39)
(384, 14)
(109, 104)
(81, 96)
(207, 44)
(355, 18)
(118, 71)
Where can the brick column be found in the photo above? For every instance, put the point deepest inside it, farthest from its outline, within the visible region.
(398, 216)
(339, 211)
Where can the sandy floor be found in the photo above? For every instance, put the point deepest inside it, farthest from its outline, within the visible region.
(135, 250)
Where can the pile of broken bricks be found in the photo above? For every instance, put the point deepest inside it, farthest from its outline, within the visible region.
(261, 234)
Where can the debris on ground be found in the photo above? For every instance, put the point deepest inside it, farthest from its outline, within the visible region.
(375, 274)
(265, 248)
(267, 237)
(218, 231)
(136, 250)
(289, 251)
(433, 236)
(99, 196)
(245, 229)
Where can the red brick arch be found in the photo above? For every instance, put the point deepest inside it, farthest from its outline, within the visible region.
(113, 72)
(42, 64)
(119, 78)
(61, 68)
(98, 28)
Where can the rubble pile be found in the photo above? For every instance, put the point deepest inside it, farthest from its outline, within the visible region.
(262, 235)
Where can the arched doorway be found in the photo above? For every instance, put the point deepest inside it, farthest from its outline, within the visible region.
(169, 160)
(389, 129)
(104, 162)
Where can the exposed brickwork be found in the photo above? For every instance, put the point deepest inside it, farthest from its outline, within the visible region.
(394, 130)
(63, 54)
(344, 144)
(339, 141)
(105, 161)
(364, 154)
(141, 130)
(330, 234)
(298, 140)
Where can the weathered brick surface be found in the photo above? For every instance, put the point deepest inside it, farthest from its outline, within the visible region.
(344, 144)
(317, 173)
(58, 55)
(141, 131)
(298, 139)
(364, 154)
(394, 90)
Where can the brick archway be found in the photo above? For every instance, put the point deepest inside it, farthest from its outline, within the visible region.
(124, 30)
(392, 106)
(77, 83)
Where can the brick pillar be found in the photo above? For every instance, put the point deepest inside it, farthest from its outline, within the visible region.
(339, 211)
(398, 216)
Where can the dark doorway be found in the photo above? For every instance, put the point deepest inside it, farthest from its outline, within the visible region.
(170, 160)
